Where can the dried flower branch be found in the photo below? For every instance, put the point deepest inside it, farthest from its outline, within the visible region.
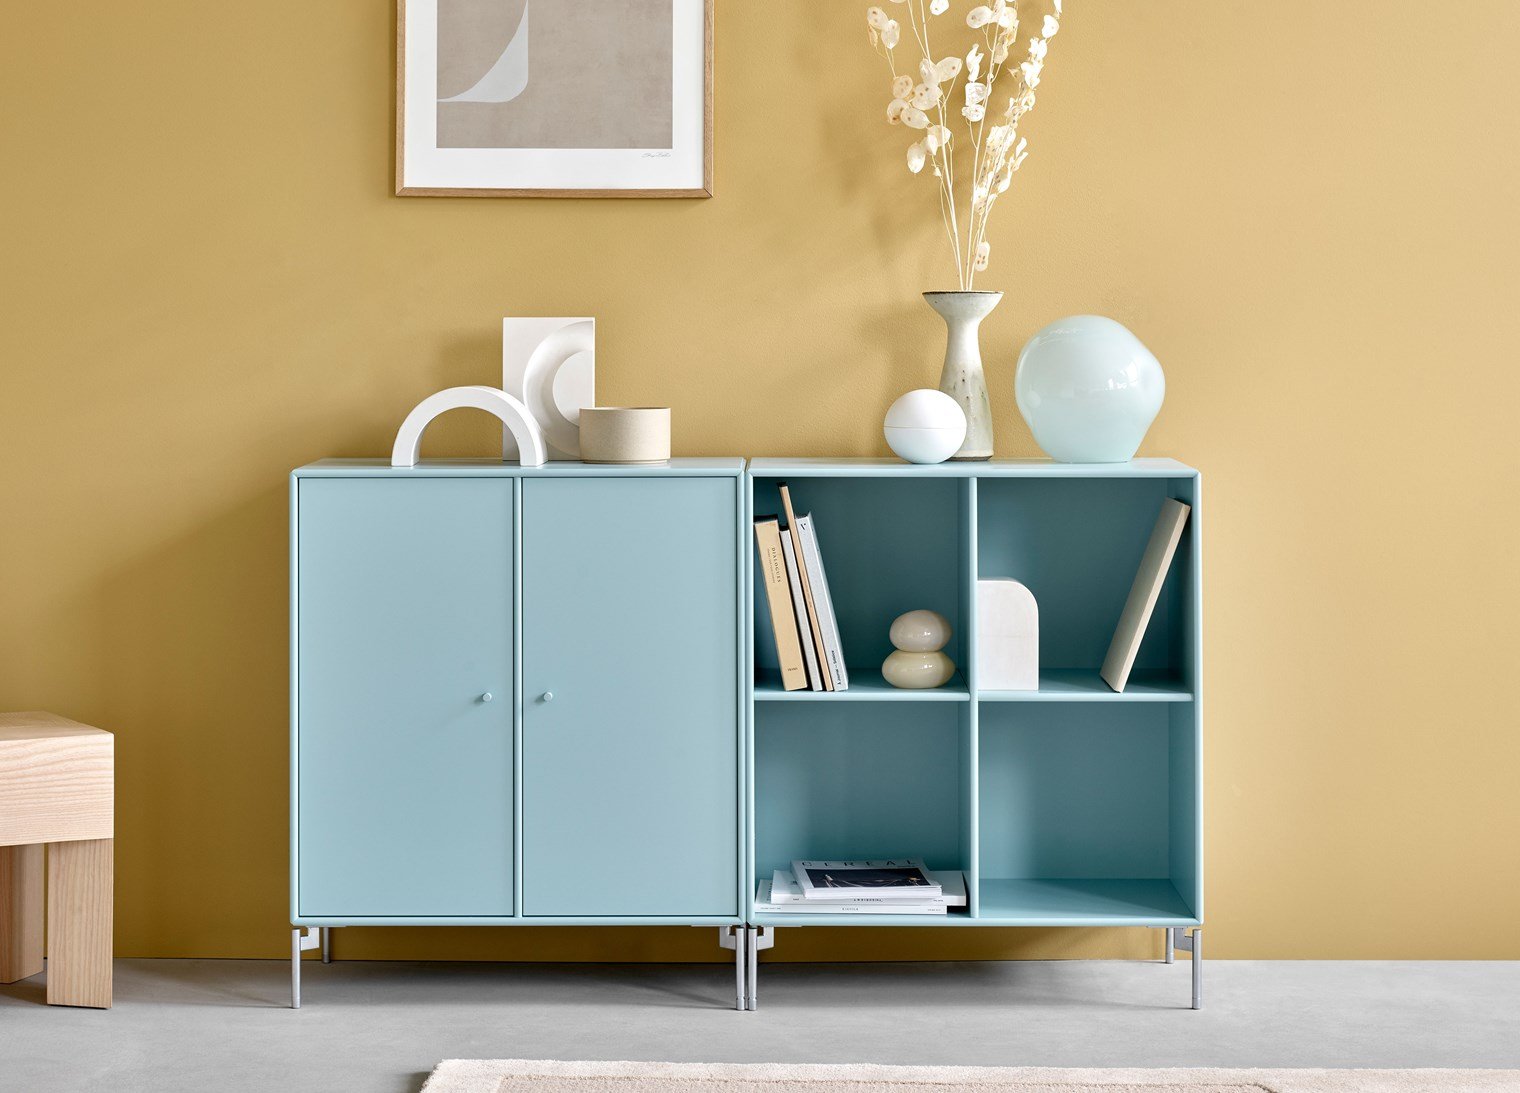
(921, 98)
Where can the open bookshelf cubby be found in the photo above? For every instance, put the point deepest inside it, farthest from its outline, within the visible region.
(1070, 805)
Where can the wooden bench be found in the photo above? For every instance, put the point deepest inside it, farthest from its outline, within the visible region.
(57, 789)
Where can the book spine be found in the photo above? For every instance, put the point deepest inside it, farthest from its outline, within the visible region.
(778, 597)
(799, 608)
(807, 588)
(812, 558)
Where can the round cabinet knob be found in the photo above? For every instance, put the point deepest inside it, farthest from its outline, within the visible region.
(548, 696)
(486, 697)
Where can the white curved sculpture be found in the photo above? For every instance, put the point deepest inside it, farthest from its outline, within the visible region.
(508, 77)
(550, 364)
(513, 414)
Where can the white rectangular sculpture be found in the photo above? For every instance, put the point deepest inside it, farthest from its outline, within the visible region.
(1008, 636)
(550, 366)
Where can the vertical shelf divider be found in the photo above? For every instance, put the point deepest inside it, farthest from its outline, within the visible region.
(971, 775)
(517, 697)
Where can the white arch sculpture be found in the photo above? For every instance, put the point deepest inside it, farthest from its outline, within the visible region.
(513, 414)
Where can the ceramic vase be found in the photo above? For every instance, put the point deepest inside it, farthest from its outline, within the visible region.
(625, 434)
(1088, 389)
(962, 378)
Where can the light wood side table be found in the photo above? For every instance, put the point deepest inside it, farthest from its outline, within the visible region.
(57, 789)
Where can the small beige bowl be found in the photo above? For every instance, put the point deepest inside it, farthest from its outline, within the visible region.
(625, 434)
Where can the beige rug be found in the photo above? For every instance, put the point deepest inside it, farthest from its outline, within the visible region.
(536, 1076)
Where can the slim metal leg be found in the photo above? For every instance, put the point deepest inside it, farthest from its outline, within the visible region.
(300, 941)
(753, 956)
(1198, 969)
(737, 939)
(295, 969)
(760, 937)
(326, 933)
(1189, 943)
(1166, 942)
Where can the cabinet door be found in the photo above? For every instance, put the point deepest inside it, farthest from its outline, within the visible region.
(404, 767)
(630, 769)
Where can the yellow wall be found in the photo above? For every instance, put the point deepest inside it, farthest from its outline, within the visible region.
(1308, 212)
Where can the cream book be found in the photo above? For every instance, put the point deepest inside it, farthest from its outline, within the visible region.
(1144, 593)
(807, 588)
(799, 609)
(828, 624)
(778, 596)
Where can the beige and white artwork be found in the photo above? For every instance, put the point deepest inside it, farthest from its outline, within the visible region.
(555, 74)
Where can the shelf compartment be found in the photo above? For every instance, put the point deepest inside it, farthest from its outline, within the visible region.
(866, 685)
(1085, 685)
(1082, 803)
(1077, 544)
(860, 780)
(1072, 902)
(889, 545)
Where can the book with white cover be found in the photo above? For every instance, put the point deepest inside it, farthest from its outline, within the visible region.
(799, 607)
(899, 878)
(828, 625)
(765, 905)
(952, 882)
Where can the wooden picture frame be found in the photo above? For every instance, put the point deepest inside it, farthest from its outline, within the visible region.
(426, 170)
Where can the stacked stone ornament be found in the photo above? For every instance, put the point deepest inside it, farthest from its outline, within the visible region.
(917, 662)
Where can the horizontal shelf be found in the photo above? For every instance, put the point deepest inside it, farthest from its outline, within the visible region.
(1035, 903)
(1083, 903)
(1068, 685)
(957, 917)
(866, 685)
(991, 468)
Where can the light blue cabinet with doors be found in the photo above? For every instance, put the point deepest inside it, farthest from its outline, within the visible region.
(516, 695)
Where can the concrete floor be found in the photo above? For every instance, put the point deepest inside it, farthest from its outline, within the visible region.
(222, 1025)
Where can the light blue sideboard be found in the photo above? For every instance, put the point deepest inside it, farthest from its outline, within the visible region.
(544, 696)
(516, 695)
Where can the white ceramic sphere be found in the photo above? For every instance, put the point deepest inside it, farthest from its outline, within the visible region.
(1089, 390)
(921, 631)
(917, 671)
(925, 426)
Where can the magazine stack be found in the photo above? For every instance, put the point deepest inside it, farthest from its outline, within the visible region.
(903, 886)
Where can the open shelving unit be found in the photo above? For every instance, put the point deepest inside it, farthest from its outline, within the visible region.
(1071, 805)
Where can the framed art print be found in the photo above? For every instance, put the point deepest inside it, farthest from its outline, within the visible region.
(554, 98)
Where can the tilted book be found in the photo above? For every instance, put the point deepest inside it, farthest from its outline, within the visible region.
(1144, 593)
(901, 878)
(807, 587)
(799, 608)
(778, 596)
(828, 625)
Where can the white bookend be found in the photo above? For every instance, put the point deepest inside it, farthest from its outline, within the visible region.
(812, 558)
(799, 607)
(1143, 594)
(1007, 636)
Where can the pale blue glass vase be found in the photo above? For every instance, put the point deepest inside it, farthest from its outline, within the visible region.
(1088, 389)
